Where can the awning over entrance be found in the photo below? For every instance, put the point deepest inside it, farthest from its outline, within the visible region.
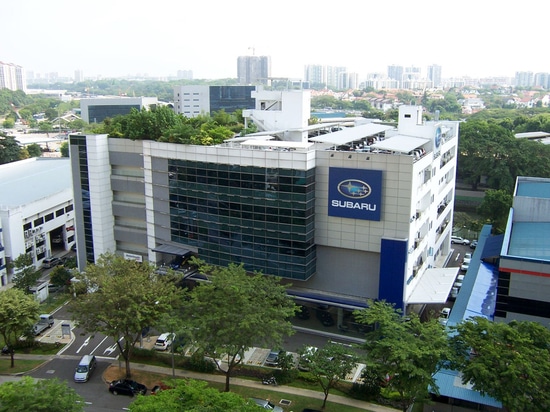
(172, 250)
(434, 286)
(339, 301)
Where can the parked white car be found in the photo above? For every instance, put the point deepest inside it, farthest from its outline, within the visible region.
(444, 316)
(459, 240)
(164, 341)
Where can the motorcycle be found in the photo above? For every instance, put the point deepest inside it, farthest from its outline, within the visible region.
(269, 381)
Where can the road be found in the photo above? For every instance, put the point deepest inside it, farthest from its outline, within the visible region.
(86, 343)
(94, 392)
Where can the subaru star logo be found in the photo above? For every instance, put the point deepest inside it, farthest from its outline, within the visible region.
(353, 188)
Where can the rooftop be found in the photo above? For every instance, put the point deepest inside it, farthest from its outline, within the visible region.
(27, 181)
(530, 240)
(533, 187)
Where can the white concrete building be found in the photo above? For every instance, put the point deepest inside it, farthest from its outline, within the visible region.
(36, 210)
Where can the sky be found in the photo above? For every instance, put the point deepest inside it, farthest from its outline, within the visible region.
(117, 38)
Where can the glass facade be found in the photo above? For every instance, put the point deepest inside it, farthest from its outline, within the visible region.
(98, 113)
(80, 142)
(231, 98)
(262, 217)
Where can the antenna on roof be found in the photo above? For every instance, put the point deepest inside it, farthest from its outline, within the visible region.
(253, 50)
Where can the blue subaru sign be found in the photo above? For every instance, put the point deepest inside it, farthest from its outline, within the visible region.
(354, 193)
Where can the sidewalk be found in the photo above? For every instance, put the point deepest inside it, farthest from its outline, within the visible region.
(254, 384)
(234, 381)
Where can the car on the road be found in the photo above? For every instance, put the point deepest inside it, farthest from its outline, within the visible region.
(85, 367)
(273, 358)
(467, 258)
(127, 387)
(265, 404)
(459, 240)
(465, 266)
(473, 244)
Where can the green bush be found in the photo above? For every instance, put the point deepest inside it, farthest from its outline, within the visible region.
(285, 376)
(197, 363)
(369, 389)
(306, 377)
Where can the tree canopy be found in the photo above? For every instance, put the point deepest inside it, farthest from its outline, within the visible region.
(495, 208)
(192, 396)
(42, 395)
(162, 124)
(235, 311)
(18, 312)
(489, 150)
(507, 361)
(26, 274)
(10, 151)
(129, 297)
(329, 365)
(404, 352)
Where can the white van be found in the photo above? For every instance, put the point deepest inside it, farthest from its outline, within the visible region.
(85, 368)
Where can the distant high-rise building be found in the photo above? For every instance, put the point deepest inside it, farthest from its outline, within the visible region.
(185, 74)
(78, 76)
(395, 73)
(411, 78)
(524, 79)
(353, 80)
(12, 77)
(253, 69)
(434, 74)
(334, 75)
(542, 80)
(315, 74)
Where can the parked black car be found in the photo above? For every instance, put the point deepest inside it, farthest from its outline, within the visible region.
(127, 387)
(302, 312)
(325, 317)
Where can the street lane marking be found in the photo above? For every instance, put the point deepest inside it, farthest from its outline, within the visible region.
(110, 349)
(84, 344)
(98, 345)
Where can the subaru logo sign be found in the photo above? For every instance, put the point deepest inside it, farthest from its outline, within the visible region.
(355, 193)
(354, 189)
